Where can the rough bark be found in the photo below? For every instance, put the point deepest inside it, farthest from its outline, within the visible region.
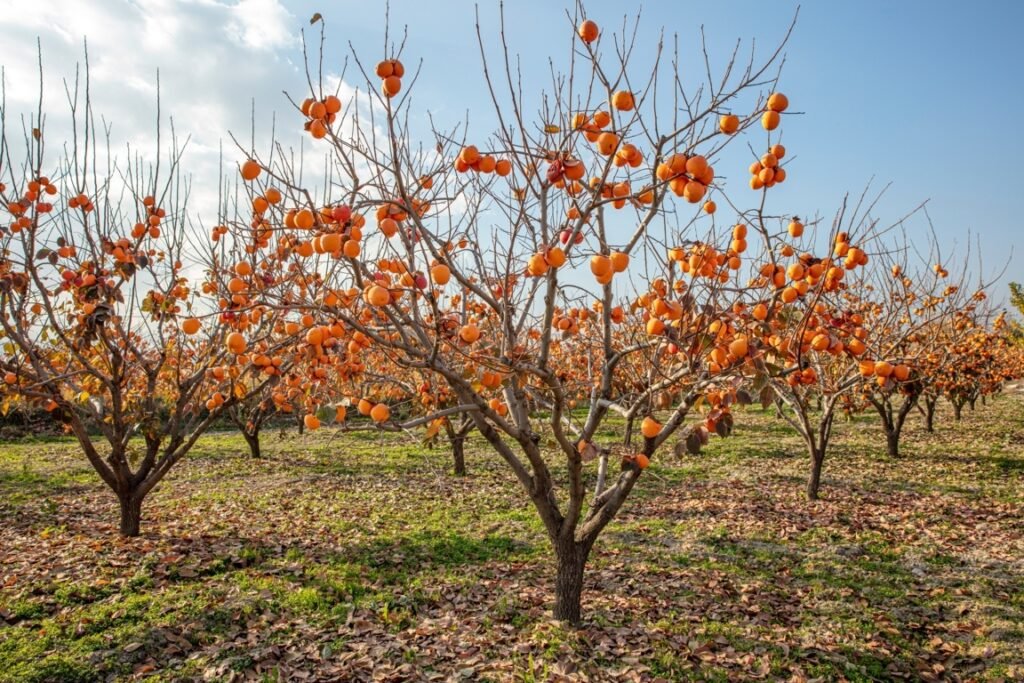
(571, 559)
(929, 415)
(131, 514)
(814, 482)
(892, 443)
(254, 443)
(459, 455)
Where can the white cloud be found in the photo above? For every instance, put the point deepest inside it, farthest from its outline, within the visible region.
(261, 25)
(215, 58)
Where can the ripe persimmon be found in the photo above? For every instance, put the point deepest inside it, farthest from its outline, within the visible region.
(589, 31)
(600, 265)
(777, 102)
(250, 170)
(440, 274)
(694, 191)
(469, 333)
(330, 242)
(380, 413)
(236, 343)
(739, 347)
(304, 219)
(555, 257)
(314, 336)
(537, 265)
(351, 248)
(607, 143)
(650, 427)
(729, 124)
(623, 100)
(620, 261)
(378, 296)
(391, 86)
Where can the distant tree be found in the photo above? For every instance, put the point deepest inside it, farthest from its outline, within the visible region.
(99, 323)
(1016, 327)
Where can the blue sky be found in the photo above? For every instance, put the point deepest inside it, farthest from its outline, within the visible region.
(917, 94)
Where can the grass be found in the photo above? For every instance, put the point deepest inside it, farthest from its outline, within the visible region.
(346, 556)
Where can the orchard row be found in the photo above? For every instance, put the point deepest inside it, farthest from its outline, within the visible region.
(527, 285)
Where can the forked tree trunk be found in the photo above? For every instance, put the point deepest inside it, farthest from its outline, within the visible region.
(131, 514)
(571, 561)
(971, 402)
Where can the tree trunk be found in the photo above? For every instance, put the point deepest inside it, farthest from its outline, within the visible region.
(814, 483)
(892, 443)
(572, 559)
(984, 400)
(929, 415)
(957, 409)
(254, 443)
(971, 403)
(459, 455)
(131, 514)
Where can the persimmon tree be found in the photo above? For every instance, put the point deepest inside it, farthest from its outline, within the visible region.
(811, 327)
(452, 431)
(95, 302)
(840, 323)
(931, 315)
(980, 360)
(461, 259)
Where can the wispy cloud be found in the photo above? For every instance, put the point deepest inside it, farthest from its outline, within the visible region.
(216, 60)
